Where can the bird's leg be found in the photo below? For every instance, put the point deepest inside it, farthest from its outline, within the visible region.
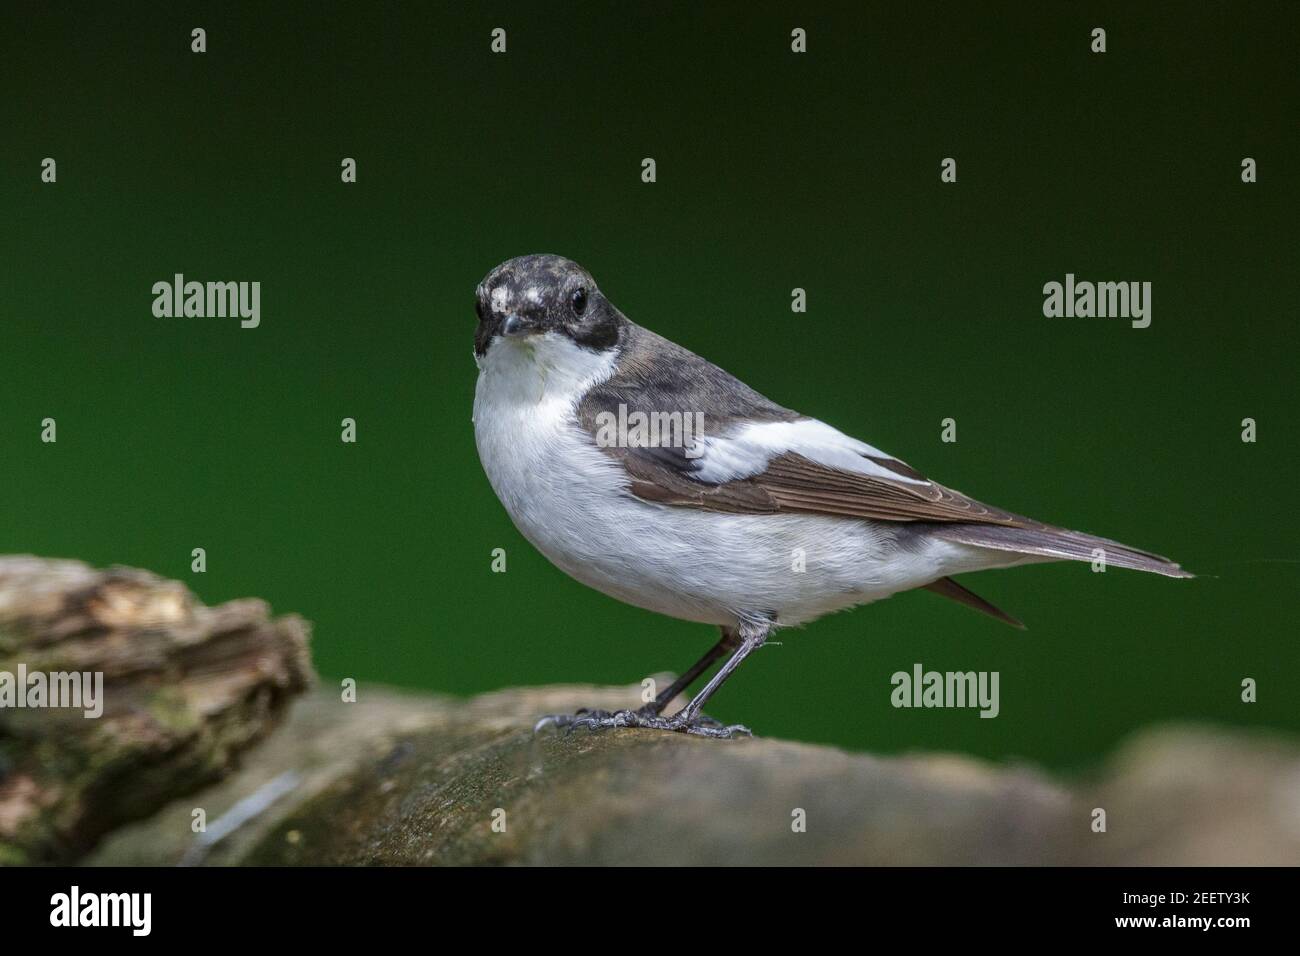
(690, 719)
(742, 641)
(728, 643)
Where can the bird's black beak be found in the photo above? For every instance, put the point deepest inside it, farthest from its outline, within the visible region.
(516, 326)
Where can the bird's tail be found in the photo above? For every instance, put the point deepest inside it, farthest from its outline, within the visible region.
(1059, 544)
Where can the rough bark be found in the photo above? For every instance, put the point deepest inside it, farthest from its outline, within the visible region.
(406, 779)
(424, 779)
(186, 688)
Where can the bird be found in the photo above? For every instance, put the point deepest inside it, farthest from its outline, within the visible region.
(747, 515)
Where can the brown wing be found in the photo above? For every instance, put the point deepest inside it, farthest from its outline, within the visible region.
(793, 483)
(799, 484)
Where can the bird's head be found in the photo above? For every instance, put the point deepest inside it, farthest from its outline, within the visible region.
(543, 294)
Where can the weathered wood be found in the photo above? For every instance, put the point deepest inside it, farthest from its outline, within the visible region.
(394, 778)
(186, 688)
(420, 779)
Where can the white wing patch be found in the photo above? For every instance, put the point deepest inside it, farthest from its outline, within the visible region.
(747, 451)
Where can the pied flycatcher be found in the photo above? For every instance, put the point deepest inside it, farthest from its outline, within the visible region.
(653, 476)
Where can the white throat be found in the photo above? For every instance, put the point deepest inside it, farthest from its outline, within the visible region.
(546, 369)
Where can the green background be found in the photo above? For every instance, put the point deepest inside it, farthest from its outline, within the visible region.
(774, 171)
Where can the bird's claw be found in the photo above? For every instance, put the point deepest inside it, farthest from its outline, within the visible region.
(701, 726)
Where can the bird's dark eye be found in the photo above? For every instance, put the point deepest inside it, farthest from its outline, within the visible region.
(579, 301)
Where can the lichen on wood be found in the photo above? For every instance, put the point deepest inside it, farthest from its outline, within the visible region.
(186, 689)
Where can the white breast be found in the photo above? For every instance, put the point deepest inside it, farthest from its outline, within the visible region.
(571, 501)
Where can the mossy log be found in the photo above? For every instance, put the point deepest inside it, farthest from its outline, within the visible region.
(397, 779)
(185, 689)
(393, 778)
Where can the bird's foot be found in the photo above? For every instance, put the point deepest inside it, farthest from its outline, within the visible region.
(701, 726)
